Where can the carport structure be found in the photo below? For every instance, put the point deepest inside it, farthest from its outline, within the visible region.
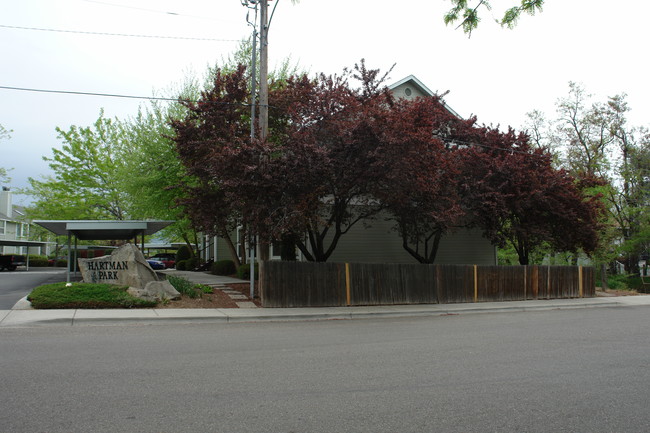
(94, 230)
(17, 243)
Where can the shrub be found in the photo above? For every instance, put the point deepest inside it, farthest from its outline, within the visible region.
(62, 263)
(617, 282)
(223, 267)
(38, 261)
(84, 295)
(185, 286)
(181, 284)
(204, 289)
(183, 253)
(181, 265)
(192, 263)
(244, 272)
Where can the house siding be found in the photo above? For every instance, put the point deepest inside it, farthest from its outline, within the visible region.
(223, 252)
(400, 91)
(378, 243)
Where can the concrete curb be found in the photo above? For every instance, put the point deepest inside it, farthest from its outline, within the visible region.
(28, 318)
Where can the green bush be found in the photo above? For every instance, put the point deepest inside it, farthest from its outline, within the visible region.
(244, 272)
(186, 287)
(62, 263)
(183, 253)
(181, 284)
(625, 282)
(84, 295)
(38, 260)
(181, 265)
(617, 282)
(223, 267)
(204, 289)
(192, 263)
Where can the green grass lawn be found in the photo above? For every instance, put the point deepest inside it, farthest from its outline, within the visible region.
(84, 295)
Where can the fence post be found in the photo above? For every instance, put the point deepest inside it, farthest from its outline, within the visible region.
(347, 283)
(580, 282)
(525, 281)
(535, 281)
(475, 283)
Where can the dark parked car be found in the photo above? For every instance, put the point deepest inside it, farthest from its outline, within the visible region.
(11, 262)
(169, 260)
(156, 265)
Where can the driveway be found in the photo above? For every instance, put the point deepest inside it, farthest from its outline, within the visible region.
(17, 284)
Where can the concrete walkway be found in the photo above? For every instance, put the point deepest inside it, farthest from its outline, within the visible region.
(28, 318)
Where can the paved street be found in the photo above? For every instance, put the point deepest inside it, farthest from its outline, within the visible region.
(17, 284)
(561, 371)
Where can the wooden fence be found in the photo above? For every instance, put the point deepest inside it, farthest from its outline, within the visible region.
(302, 284)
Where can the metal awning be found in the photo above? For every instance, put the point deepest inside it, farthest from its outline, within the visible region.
(16, 243)
(101, 230)
(88, 230)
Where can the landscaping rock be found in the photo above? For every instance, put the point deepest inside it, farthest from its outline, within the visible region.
(155, 291)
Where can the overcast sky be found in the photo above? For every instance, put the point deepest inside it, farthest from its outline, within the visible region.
(497, 74)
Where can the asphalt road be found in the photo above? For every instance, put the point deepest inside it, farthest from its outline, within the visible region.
(16, 284)
(555, 371)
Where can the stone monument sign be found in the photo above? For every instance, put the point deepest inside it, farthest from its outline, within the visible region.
(126, 266)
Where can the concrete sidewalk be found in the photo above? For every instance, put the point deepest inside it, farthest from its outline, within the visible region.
(31, 318)
(22, 316)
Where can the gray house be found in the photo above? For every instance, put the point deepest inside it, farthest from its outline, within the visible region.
(379, 243)
(14, 229)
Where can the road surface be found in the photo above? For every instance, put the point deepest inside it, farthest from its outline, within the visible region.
(554, 371)
(15, 285)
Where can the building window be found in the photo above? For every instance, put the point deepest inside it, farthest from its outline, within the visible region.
(240, 245)
(22, 230)
(3, 227)
(276, 250)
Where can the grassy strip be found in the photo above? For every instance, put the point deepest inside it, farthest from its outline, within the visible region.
(84, 295)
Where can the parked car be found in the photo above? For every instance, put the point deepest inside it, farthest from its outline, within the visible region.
(156, 265)
(11, 262)
(169, 260)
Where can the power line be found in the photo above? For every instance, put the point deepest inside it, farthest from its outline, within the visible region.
(118, 34)
(447, 141)
(115, 95)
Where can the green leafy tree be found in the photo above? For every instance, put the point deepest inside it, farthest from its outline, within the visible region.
(85, 183)
(4, 172)
(151, 173)
(467, 13)
(601, 149)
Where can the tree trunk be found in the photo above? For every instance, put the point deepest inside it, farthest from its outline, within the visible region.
(232, 249)
(603, 276)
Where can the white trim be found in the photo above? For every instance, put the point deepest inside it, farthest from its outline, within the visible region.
(423, 89)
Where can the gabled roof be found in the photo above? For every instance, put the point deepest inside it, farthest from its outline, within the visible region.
(413, 81)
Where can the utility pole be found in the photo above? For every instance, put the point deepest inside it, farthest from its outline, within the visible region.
(264, 96)
(261, 245)
(264, 69)
(253, 96)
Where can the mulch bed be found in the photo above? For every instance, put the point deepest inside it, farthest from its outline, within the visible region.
(218, 299)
